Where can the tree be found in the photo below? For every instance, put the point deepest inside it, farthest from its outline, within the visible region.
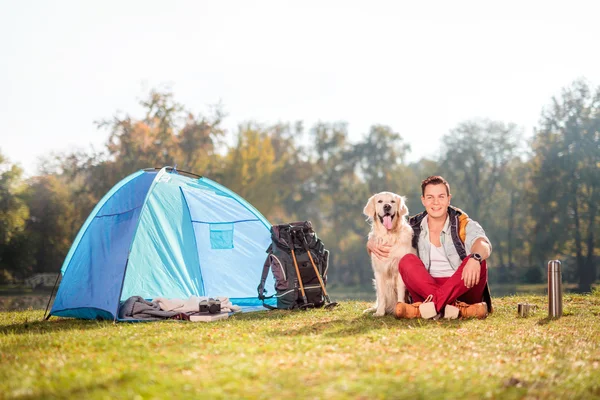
(333, 158)
(475, 159)
(566, 149)
(87, 175)
(13, 216)
(51, 227)
(13, 210)
(167, 135)
(381, 160)
(250, 167)
(198, 142)
(293, 174)
(328, 192)
(510, 223)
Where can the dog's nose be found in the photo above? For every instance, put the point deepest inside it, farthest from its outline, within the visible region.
(387, 208)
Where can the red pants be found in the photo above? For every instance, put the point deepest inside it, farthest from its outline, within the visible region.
(444, 290)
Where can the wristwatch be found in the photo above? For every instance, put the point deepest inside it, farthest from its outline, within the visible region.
(477, 257)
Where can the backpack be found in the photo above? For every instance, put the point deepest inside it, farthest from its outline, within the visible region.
(299, 240)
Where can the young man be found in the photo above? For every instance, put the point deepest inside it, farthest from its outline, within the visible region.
(449, 275)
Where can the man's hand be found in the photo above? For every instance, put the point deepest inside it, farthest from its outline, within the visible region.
(379, 250)
(471, 273)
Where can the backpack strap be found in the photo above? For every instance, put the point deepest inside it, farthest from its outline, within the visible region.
(265, 273)
(263, 280)
(265, 305)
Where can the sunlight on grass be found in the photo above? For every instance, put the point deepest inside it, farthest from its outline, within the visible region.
(315, 354)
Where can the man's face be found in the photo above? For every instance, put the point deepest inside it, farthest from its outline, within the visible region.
(436, 200)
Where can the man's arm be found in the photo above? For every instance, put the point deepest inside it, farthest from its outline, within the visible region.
(380, 250)
(482, 247)
(476, 242)
(475, 235)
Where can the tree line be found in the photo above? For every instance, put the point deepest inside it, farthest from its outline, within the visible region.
(537, 199)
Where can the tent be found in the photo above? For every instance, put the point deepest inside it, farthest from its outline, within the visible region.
(164, 233)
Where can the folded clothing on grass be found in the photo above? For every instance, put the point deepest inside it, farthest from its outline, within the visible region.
(193, 304)
(137, 308)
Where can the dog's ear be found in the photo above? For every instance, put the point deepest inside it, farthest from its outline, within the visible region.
(369, 209)
(402, 209)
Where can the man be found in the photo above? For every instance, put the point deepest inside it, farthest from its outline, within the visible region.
(449, 275)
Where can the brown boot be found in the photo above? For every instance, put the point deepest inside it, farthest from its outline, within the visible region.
(410, 311)
(477, 310)
(419, 309)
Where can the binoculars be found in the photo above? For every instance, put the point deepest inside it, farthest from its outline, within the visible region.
(210, 306)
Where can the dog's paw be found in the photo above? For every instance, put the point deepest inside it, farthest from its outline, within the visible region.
(379, 313)
(369, 310)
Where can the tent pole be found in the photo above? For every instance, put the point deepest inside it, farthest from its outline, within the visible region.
(50, 298)
(121, 290)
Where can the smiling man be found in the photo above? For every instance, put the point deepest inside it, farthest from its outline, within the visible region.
(449, 276)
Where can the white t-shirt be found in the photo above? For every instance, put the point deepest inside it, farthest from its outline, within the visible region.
(439, 265)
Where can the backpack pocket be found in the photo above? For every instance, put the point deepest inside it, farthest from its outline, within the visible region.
(279, 273)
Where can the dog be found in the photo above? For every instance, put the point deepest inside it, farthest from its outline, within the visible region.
(387, 214)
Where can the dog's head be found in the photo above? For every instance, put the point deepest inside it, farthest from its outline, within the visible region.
(386, 208)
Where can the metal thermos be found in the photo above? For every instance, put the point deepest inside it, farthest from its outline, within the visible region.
(554, 289)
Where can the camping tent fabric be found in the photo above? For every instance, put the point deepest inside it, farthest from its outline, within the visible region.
(164, 235)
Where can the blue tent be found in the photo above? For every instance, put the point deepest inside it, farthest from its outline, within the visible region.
(164, 234)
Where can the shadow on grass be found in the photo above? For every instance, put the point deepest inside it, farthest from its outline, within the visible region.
(283, 314)
(364, 324)
(548, 320)
(42, 327)
(84, 391)
(265, 315)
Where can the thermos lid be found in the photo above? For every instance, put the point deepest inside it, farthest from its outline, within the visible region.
(553, 266)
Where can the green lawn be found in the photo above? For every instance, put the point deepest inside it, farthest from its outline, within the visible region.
(317, 354)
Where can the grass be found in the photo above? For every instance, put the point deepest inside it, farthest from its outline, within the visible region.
(317, 354)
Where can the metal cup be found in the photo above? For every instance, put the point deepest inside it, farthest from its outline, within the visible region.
(525, 310)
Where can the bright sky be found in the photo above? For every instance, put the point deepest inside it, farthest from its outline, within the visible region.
(419, 67)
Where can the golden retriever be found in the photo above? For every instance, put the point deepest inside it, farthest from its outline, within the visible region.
(387, 213)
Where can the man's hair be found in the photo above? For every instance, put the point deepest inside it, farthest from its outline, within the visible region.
(434, 180)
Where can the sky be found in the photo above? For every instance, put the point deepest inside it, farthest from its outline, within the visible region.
(419, 68)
